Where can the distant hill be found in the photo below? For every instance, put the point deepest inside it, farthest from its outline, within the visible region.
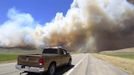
(120, 50)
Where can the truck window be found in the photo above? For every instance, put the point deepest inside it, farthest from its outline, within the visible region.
(50, 51)
(61, 51)
(65, 53)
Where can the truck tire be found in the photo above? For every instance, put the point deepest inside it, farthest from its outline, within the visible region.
(30, 73)
(51, 69)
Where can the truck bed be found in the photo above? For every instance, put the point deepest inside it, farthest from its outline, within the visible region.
(29, 60)
(33, 59)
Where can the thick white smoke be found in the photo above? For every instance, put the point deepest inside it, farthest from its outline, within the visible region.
(18, 31)
(88, 25)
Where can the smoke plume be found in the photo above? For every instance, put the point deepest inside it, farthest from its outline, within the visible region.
(89, 25)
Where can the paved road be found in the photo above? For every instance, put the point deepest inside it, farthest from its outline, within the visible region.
(9, 69)
(94, 67)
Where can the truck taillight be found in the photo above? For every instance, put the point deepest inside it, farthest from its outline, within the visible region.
(41, 61)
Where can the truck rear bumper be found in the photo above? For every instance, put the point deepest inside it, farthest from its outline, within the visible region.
(30, 69)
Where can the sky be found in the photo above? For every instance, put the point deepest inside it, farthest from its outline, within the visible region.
(41, 10)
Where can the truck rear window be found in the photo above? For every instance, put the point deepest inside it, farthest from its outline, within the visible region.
(50, 51)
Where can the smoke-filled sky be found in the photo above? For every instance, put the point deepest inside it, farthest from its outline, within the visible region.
(88, 25)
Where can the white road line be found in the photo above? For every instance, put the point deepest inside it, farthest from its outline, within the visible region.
(76, 66)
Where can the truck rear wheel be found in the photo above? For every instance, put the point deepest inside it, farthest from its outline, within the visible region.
(52, 69)
(30, 73)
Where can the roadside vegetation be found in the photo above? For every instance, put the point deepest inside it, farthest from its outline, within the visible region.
(129, 55)
(123, 59)
(10, 55)
(7, 57)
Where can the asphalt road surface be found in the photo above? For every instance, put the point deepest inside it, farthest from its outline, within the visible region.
(94, 67)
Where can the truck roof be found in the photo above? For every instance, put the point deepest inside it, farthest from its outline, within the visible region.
(58, 47)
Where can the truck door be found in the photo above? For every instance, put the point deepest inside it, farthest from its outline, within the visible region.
(67, 57)
(64, 56)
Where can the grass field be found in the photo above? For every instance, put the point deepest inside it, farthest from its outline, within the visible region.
(124, 59)
(7, 57)
(18, 51)
(129, 55)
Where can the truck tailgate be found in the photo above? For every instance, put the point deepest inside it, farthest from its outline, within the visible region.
(29, 60)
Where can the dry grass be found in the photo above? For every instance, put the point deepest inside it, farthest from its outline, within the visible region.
(19, 51)
(10, 54)
(123, 63)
